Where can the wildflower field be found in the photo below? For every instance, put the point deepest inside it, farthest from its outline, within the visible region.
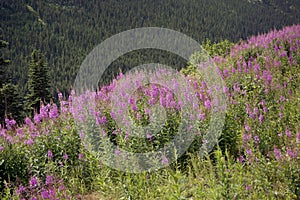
(257, 155)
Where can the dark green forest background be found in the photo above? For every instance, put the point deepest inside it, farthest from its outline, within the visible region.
(65, 31)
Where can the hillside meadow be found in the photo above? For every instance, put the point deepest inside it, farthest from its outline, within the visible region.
(257, 155)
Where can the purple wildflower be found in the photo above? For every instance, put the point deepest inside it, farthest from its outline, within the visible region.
(277, 153)
(53, 113)
(33, 182)
(28, 121)
(49, 180)
(117, 151)
(241, 159)
(298, 137)
(50, 154)
(149, 136)
(207, 104)
(288, 133)
(65, 156)
(261, 118)
(80, 156)
(247, 128)
(81, 134)
(248, 151)
(164, 160)
(256, 139)
(248, 187)
(45, 194)
(20, 189)
(292, 154)
(37, 118)
(103, 120)
(30, 142)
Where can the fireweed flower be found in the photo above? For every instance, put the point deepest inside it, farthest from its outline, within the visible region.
(249, 152)
(65, 156)
(50, 154)
(256, 139)
(248, 187)
(292, 154)
(49, 180)
(298, 137)
(207, 104)
(28, 121)
(288, 133)
(20, 133)
(246, 137)
(29, 142)
(117, 151)
(44, 111)
(45, 194)
(81, 134)
(261, 118)
(20, 189)
(164, 160)
(149, 136)
(241, 159)
(37, 118)
(277, 153)
(33, 182)
(10, 123)
(80, 156)
(53, 113)
(247, 128)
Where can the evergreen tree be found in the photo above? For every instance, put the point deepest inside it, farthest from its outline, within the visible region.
(38, 83)
(3, 64)
(10, 100)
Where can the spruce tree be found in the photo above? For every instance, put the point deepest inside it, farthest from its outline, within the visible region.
(3, 64)
(38, 83)
(10, 100)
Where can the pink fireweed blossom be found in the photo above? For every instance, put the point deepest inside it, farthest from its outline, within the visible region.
(246, 137)
(247, 128)
(20, 189)
(49, 180)
(256, 139)
(50, 154)
(65, 156)
(81, 134)
(261, 118)
(164, 160)
(45, 194)
(117, 152)
(298, 137)
(207, 104)
(80, 156)
(288, 133)
(241, 159)
(149, 137)
(29, 142)
(277, 153)
(10, 123)
(292, 154)
(33, 182)
(53, 113)
(37, 118)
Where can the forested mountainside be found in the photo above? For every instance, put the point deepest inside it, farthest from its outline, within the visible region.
(66, 31)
